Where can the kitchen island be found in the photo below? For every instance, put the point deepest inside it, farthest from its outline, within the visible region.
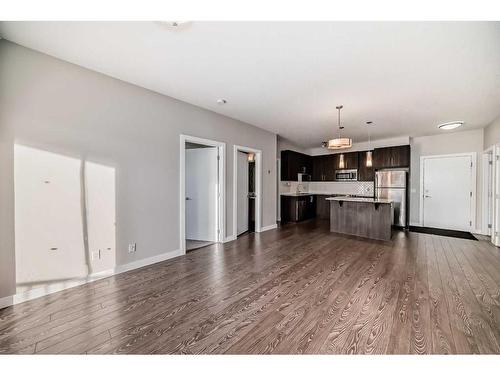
(364, 217)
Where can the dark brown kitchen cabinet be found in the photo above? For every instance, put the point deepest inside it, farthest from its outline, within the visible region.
(293, 163)
(318, 168)
(391, 157)
(297, 208)
(322, 207)
(365, 173)
(350, 160)
(323, 168)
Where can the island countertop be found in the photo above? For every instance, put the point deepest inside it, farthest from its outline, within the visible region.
(358, 199)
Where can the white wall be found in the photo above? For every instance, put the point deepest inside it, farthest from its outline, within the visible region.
(446, 143)
(492, 133)
(48, 216)
(285, 144)
(59, 107)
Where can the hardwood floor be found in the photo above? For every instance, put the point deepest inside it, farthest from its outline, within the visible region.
(298, 289)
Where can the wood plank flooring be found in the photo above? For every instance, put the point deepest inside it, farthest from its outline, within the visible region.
(297, 289)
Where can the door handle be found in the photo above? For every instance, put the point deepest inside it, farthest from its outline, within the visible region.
(189, 199)
(427, 196)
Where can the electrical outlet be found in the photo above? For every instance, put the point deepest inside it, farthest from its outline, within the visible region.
(96, 255)
(132, 247)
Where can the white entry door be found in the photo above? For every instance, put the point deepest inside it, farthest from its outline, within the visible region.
(447, 192)
(242, 193)
(202, 191)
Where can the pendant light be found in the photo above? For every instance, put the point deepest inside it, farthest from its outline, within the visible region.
(341, 161)
(338, 143)
(369, 161)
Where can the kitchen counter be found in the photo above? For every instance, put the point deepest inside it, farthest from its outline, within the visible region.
(296, 194)
(306, 193)
(363, 217)
(360, 199)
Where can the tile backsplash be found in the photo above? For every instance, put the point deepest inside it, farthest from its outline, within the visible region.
(363, 188)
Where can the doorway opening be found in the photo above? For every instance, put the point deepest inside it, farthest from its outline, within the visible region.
(246, 190)
(448, 188)
(245, 193)
(201, 193)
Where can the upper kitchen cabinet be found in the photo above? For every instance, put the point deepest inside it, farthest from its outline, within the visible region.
(365, 173)
(293, 163)
(350, 160)
(323, 168)
(392, 157)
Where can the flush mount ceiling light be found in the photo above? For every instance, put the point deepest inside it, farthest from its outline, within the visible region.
(338, 143)
(450, 125)
(173, 23)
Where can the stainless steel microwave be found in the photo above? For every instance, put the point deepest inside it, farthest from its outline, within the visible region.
(346, 175)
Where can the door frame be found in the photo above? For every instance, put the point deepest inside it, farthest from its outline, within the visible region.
(488, 175)
(221, 204)
(258, 188)
(473, 156)
(495, 239)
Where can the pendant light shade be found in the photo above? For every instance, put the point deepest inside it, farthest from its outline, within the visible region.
(369, 162)
(341, 161)
(338, 143)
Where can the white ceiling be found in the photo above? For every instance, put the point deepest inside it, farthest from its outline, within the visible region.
(287, 77)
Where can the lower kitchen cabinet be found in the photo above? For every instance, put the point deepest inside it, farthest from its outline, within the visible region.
(297, 208)
(322, 207)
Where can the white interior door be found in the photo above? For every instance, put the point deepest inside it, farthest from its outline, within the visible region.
(48, 218)
(447, 195)
(242, 192)
(201, 194)
(100, 207)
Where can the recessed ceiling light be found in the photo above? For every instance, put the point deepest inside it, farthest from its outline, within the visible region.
(221, 101)
(450, 125)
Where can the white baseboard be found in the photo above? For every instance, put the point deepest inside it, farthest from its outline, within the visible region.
(269, 227)
(146, 262)
(229, 238)
(57, 287)
(479, 231)
(6, 301)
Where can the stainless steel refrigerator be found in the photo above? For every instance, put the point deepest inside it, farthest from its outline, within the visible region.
(392, 185)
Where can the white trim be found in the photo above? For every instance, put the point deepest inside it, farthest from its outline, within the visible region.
(258, 187)
(221, 207)
(269, 227)
(495, 239)
(57, 287)
(147, 261)
(487, 154)
(278, 185)
(473, 156)
(229, 238)
(6, 301)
